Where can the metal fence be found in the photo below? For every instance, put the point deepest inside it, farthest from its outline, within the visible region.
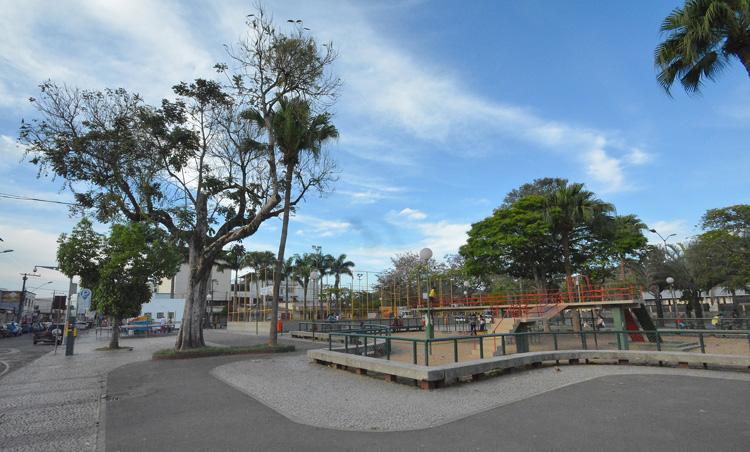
(456, 349)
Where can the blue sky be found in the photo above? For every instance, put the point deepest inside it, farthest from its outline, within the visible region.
(446, 107)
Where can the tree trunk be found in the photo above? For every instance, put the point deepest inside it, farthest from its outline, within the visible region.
(191, 329)
(696, 302)
(622, 267)
(659, 306)
(273, 334)
(114, 340)
(569, 274)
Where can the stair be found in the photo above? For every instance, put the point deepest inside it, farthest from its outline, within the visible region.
(510, 325)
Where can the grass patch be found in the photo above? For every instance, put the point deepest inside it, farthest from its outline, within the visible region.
(205, 352)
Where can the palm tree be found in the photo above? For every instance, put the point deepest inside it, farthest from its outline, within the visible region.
(297, 129)
(259, 261)
(627, 238)
(570, 207)
(702, 38)
(340, 266)
(324, 268)
(304, 265)
(233, 259)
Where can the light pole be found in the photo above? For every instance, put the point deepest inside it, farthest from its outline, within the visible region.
(425, 255)
(315, 276)
(70, 315)
(670, 281)
(359, 296)
(662, 238)
(22, 300)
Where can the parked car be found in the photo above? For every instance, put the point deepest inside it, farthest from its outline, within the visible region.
(459, 319)
(53, 333)
(82, 325)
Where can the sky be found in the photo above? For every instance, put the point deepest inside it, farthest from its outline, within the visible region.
(446, 107)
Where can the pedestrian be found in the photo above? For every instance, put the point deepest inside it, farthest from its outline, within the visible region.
(481, 323)
(737, 320)
(473, 324)
(600, 323)
(718, 320)
(163, 322)
(680, 322)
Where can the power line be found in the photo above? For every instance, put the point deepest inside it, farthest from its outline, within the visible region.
(24, 198)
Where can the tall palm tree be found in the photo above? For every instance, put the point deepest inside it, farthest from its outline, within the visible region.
(340, 266)
(567, 209)
(702, 38)
(232, 259)
(298, 130)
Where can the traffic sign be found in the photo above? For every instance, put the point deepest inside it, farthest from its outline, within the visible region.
(85, 299)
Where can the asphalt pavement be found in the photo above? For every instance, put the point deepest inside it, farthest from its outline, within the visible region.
(121, 401)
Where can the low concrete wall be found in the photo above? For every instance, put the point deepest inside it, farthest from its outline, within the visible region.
(430, 377)
(249, 327)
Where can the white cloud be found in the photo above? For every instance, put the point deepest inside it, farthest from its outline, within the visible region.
(317, 227)
(412, 214)
(681, 230)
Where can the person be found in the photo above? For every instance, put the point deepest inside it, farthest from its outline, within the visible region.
(717, 320)
(481, 323)
(330, 318)
(737, 320)
(163, 322)
(473, 324)
(681, 322)
(600, 322)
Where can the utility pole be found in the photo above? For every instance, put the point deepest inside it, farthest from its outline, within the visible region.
(22, 301)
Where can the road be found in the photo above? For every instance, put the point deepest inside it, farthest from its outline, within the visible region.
(17, 352)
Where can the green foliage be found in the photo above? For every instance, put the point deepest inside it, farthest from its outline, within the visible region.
(516, 241)
(702, 37)
(118, 268)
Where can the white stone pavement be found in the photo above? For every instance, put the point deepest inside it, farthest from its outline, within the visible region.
(57, 402)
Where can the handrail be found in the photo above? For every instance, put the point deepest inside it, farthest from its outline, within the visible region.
(658, 337)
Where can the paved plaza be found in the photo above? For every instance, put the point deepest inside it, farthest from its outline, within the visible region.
(122, 401)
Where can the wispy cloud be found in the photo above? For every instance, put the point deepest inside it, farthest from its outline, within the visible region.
(417, 100)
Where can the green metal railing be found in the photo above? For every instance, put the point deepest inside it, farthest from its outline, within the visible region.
(465, 348)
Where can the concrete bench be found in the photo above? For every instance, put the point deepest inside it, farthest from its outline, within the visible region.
(430, 377)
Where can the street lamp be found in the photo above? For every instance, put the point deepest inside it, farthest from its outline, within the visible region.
(426, 255)
(359, 278)
(315, 276)
(670, 281)
(662, 238)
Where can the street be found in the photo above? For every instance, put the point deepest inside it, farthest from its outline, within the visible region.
(17, 352)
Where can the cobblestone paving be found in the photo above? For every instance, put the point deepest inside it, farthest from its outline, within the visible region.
(54, 403)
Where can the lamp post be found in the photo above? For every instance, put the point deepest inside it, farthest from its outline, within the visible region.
(662, 238)
(425, 255)
(670, 281)
(70, 315)
(315, 276)
(22, 300)
(359, 278)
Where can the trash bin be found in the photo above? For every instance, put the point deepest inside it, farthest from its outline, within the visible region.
(278, 326)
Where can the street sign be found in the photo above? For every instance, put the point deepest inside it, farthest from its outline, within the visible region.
(85, 299)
